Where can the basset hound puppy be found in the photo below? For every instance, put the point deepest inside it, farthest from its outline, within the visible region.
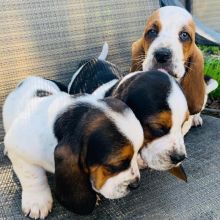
(159, 104)
(91, 145)
(168, 42)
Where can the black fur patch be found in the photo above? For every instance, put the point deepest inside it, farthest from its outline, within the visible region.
(145, 93)
(93, 74)
(116, 104)
(42, 93)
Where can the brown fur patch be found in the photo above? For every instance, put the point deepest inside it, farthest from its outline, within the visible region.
(186, 118)
(100, 174)
(158, 121)
(193, 83)
(188, 46)
(140, 47)
(72, 184)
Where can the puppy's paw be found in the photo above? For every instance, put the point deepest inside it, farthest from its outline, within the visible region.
(197, 120)
(141, 163)
(37, 204)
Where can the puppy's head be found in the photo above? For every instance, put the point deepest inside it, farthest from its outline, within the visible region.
(159, 104)
(168, 42)
(97, 152)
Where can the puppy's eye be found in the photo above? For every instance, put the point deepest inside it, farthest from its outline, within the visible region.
(123, 165)
(158, 130)
(152, 33)
(184, 36)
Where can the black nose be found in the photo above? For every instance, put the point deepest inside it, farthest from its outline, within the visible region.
(163, 55)
(176, 158)
(135, 184)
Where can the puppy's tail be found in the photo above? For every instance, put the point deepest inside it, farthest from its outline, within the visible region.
(211, 84)
(104, 52)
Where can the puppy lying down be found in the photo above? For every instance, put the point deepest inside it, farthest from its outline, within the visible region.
(91, 145)
(156, 100)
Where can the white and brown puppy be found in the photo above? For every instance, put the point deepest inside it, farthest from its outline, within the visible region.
(168, 42)
(156, 100)
(91, 145)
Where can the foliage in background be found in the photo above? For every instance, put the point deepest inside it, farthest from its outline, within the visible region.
(212, 65)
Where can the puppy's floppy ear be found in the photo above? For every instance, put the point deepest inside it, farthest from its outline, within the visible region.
(193, 83)
(137, 53)
(73, 186)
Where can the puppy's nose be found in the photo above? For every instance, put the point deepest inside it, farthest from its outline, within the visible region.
(176, 158)
(163, 55)
(135, 184)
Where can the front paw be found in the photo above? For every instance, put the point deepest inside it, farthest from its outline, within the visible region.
(37, 204)
(197, 120)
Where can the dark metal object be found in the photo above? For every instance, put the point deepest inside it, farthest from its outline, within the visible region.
(188, 5)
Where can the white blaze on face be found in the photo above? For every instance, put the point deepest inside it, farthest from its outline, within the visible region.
(157, 153)
(172, 20)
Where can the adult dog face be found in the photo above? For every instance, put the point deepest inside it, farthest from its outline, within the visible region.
(168, 42)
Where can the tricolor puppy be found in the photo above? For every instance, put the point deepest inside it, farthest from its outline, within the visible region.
(168, 42)
(159, 104)
(93, 73)
(91, 145)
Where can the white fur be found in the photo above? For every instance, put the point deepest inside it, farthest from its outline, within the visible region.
(172, 20)
(30, 143)
(74, 77)
(20, 98)
(211, 86)
(127, 77)
(104, 52)
(157, 153)
(100, 91)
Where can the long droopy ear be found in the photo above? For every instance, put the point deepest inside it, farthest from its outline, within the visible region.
(73, 186)
(193, 83)
(137, 52)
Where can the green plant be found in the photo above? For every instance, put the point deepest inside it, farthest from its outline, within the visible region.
(208, 50)
(212, 65)
(212, 68)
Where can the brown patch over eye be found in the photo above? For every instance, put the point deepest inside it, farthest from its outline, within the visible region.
(187, 41)
(116, 163)
(151, 30)
(157, 126)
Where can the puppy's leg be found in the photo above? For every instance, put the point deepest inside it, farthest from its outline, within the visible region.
(36, 195)
(197, 120)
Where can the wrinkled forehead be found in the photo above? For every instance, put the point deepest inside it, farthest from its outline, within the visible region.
(171, 17)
